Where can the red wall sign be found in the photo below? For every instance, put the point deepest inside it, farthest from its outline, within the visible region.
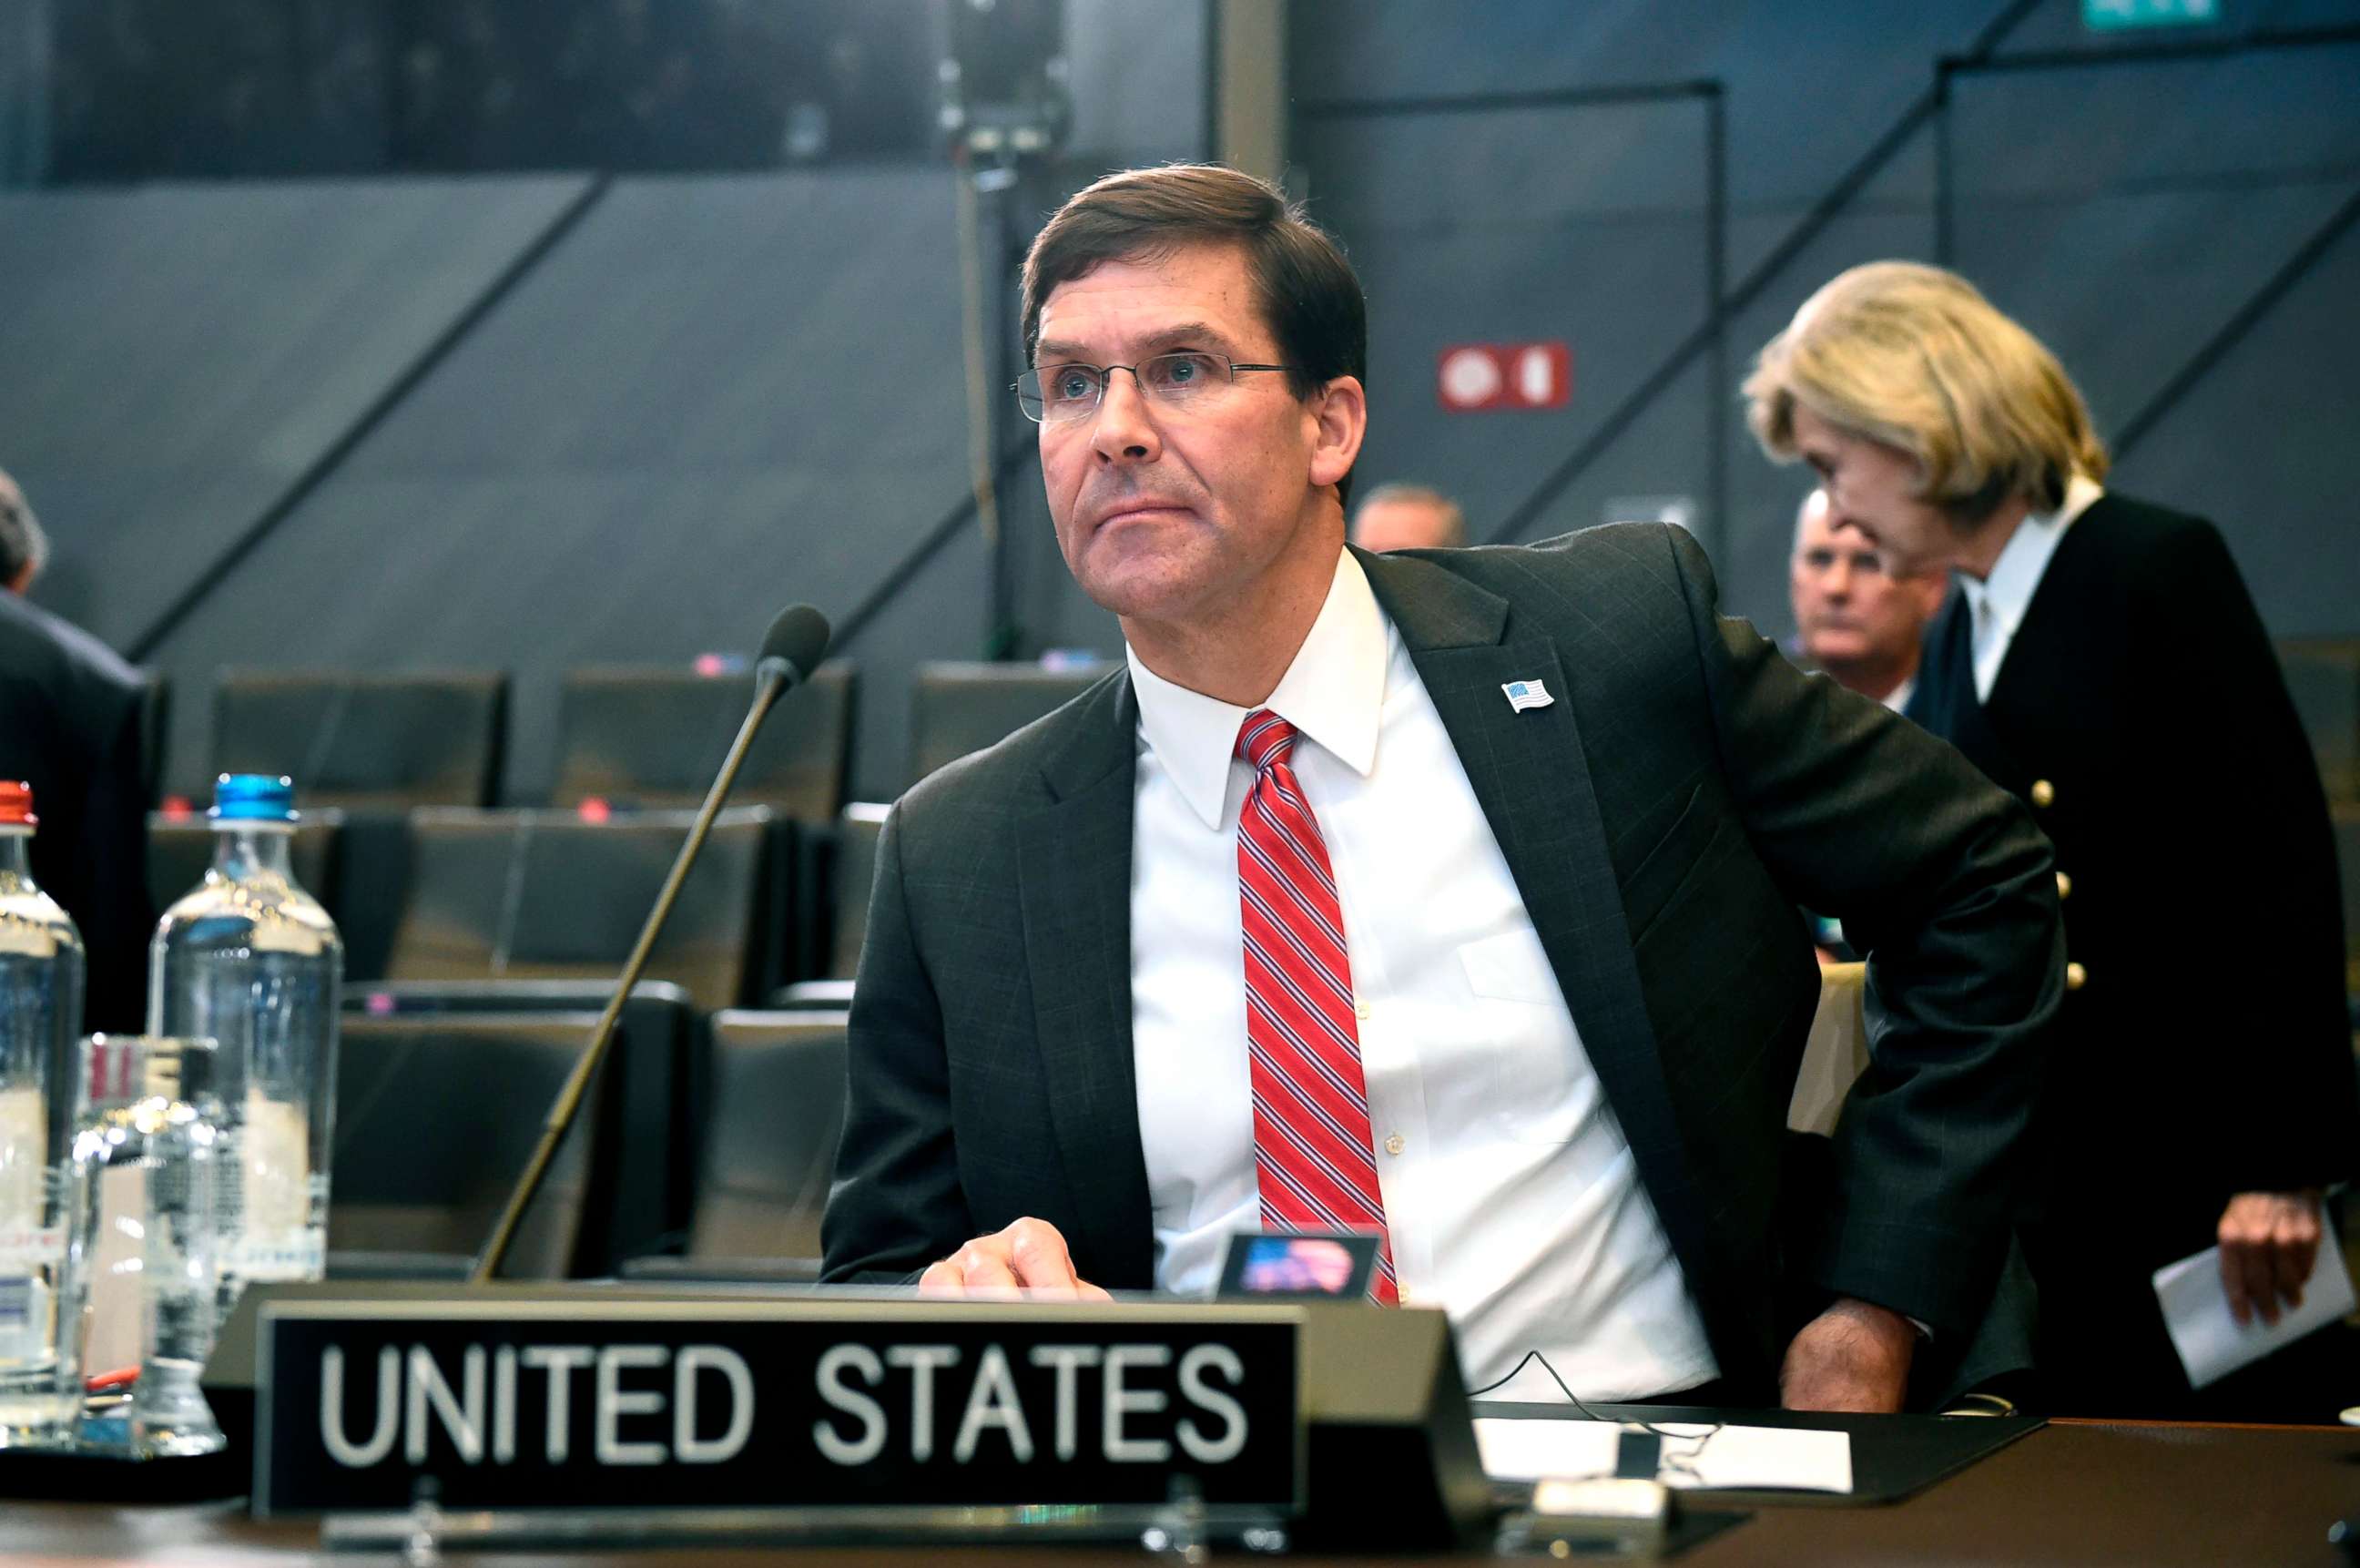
(1472, 376)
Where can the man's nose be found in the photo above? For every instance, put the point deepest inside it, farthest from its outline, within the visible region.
(1123, 430)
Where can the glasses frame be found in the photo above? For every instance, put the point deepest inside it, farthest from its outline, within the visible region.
(1105, 375)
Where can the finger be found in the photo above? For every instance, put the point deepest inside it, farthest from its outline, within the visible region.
(984, 1266)
(2294, 1255)
(2233, 1281)
(1089, 1292)
(942, 1278)
(1042, 1262)
(2261, 1283)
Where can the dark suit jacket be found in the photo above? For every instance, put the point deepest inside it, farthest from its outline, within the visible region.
(1662, 819)
(70, 727)
(2207, 1050)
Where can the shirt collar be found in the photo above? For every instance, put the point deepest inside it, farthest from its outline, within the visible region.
(2007, 592)
(1333, 693)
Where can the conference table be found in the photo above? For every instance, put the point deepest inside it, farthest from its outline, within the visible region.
(2152, 1494)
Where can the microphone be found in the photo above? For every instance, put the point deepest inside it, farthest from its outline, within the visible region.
(792, 649)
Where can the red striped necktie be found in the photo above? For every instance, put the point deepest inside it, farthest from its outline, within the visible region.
(1312, 1156)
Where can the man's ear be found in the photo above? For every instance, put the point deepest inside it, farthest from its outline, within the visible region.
(1339, 412)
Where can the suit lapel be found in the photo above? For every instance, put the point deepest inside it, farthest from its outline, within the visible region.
(1531, 776)
(1073, 890)
(1942, 653)
(2054, 617)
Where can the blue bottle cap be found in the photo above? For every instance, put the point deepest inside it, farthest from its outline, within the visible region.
(253, 797)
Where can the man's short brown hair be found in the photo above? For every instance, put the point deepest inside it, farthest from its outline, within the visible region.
(1310, 297)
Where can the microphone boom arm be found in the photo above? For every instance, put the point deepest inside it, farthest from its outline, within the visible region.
(774, 680)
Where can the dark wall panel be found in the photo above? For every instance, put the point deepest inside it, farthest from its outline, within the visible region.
(2262, 446)
(2124, 213)
(1503, 236)
(2126, 238)
(719, 396)
(172, 358)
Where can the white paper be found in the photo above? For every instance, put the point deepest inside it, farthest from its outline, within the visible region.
(1798, 1459)
(2211, 1343)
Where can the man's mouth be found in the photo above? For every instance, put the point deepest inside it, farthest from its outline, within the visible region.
(1130, 509)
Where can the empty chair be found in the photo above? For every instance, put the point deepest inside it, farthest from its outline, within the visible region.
(181, 849)
(655, 735)
(435, 1119)
(956, 708)
(647, 1117)
(854, 868)
(775, 1112)
(551, 896)
(2323, 675)
(365, 740)
(155, 715)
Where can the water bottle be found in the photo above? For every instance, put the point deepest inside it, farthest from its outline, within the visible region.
(143, 1244)
(251, 961)
(41, 967)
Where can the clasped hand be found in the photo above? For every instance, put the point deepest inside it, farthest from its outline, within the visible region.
(1030, 1256)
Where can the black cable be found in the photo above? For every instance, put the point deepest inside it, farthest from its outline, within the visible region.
(1681, 1465)
(1531, 1356)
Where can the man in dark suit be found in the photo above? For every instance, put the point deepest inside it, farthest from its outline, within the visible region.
(2100, 659)
(70, 727)
(1449, 897)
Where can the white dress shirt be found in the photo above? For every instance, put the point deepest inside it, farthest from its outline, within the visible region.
(1510, 1191)
(1998, 602)
(1898, 697)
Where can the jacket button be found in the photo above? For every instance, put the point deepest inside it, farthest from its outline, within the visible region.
(2043, 792)
(2064, 887)
(2076, 976)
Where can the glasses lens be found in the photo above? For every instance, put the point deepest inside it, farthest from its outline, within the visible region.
(1058, 392)
(1174, 377)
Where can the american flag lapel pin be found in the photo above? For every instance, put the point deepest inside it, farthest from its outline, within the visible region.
(1523, 695)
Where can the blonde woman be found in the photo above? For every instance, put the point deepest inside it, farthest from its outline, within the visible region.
(2101, 660)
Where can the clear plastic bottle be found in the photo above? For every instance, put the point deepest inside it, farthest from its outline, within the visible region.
(143, 1247)
(41, 970)
(250, 959)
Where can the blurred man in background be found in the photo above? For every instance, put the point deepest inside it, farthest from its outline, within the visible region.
(70, 727)
(1408, 517)
(2103, 662)
(1855, 619)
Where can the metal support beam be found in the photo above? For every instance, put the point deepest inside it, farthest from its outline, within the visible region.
(1250, 95)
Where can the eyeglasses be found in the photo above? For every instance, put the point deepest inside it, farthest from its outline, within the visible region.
(1059, 394)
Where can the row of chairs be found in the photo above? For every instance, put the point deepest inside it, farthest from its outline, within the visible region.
(449, 893)
(708, 1148)
(710, 1140)
(652, 735)
(648, 735)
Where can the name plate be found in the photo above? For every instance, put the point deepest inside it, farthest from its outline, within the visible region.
(636, 1404)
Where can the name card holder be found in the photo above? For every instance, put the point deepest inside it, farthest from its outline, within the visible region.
(555, 1415)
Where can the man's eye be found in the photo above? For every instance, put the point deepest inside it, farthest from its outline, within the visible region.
(1179, 371)
(1071, 385)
